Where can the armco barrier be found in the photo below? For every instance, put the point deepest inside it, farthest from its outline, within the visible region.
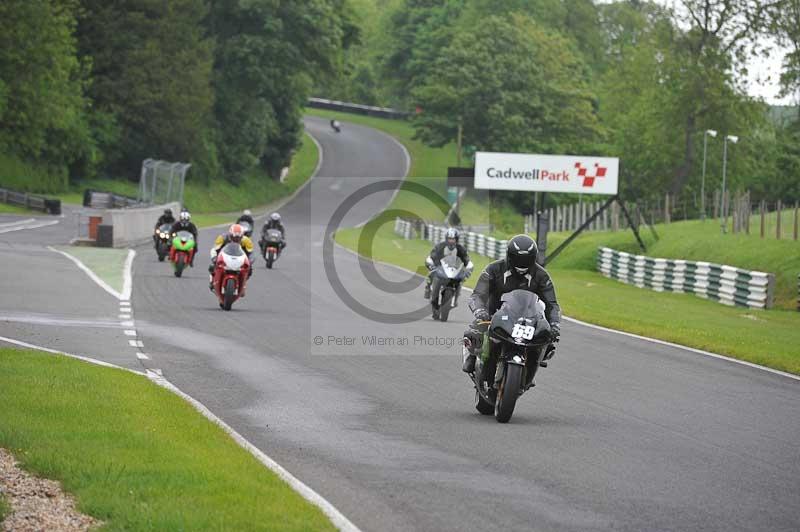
(477, 243)
(134, 225)
(30, 201)
(383, 112)
(725, 284)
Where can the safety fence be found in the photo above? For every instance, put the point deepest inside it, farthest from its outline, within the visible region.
(30, 201)
(474, 242)
(726, 284)
(334, 105)
(107, 200)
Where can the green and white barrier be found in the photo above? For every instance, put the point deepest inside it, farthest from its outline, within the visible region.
(477, 243)
(718, 282)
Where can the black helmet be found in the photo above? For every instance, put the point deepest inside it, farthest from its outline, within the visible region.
(451, 234)
(521, 254)
(168, 212)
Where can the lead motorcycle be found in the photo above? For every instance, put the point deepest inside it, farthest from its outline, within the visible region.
(446, 286)
(522, 331)
(182, 251)
(163, 241)
(231, 272)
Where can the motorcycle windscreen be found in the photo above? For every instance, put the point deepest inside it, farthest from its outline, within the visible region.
(451, 266)
(273, 235)
(233, 249)
(184, 240)
(165, 228)
(520, 304)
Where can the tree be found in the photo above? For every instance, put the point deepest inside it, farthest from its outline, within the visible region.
(151, 69)
(513, 87)
(42, 105)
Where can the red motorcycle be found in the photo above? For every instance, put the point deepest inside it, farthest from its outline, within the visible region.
(230, 274)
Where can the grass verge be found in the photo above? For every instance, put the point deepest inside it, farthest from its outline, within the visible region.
(107, 263)
(770, 338)
(5, 208)
(134, 454)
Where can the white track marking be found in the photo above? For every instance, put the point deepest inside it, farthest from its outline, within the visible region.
(598, 327)
(124, 303)
(142, 356)
(135, 343)
(29, 226)
(127, 323)
(124, 316)
(130, 332)
(127, 278)
(18, 222)
(56, 352)
(336, 517)
(88, 272)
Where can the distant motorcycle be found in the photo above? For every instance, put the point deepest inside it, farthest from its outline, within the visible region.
(270, 245)
(445, 284)
(182, 251)
(163, 241)
(336, 126)
(523, 331)
(248, 229)
(230, 274)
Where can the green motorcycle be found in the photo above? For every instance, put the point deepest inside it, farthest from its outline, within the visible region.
(182, 251)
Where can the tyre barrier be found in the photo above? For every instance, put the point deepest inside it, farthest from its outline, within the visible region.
(477, 243)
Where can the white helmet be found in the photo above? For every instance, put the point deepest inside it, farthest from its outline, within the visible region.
(247, 212)
(185, 216)
(275, 216)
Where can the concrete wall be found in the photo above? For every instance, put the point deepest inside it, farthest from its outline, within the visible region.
(135, 225)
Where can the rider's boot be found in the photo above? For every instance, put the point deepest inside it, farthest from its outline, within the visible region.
(427, 294)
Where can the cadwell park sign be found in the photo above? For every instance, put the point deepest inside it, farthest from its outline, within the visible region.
(546, 173)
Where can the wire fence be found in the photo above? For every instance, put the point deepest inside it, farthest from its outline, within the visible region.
(162, 182)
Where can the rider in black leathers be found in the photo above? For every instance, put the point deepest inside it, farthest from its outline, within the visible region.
(166, 218)
(273, 222)
(184, 223)
(518, 270)
(450, 246)
(247, 216)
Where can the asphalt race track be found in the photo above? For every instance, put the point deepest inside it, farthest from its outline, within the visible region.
(374, 413)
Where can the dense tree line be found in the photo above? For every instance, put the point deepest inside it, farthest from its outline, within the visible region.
(632, 79)
(92, 87)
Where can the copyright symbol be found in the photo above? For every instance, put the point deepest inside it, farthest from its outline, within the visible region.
(318, 340)
(365, 243)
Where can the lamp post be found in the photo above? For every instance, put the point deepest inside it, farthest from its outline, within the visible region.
(703, 181)
(733, 139)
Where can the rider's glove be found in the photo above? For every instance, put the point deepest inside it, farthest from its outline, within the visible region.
(482, 314)
(555, 332)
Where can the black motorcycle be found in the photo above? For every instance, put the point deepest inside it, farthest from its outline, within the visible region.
(524, 337)
(336, 126)
(270, 245)
(163, 241)
(445, 286)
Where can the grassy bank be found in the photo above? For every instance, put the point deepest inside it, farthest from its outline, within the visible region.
(770, 338)
(135, 455)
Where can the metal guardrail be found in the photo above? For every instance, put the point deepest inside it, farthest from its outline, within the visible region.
(30, 201)
(384, 112)
(718, 282)
(108, 200)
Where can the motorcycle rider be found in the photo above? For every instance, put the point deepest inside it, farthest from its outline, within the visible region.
(273, 222)
(335, 125)
(184, 223)
(519, 270)
(247, 216)
(450, 246)
(165, 218)
(235, 234)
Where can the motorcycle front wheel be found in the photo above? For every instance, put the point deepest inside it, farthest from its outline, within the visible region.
(445, 306)
(179, 266)
(229, 294)
(508, 393)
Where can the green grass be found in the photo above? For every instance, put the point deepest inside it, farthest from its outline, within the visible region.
(106, 263)
(135, 455)
(6, 208)
(770, 338)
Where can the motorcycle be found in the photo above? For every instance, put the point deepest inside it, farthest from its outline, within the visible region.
(446, 286)
(163, 241)
(522, 331)
(248, 229)
(230, 274)
(336, 126)
(182, 251)
(270, 245)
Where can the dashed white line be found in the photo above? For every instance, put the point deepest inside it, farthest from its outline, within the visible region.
(130, 332)
(124, 316)
(142, 356)
(136, 343)
(126, 323)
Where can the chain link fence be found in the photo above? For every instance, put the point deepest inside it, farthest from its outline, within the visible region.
(162, 182)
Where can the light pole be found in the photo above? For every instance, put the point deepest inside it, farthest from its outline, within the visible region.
(703, 182)
(733, 139)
